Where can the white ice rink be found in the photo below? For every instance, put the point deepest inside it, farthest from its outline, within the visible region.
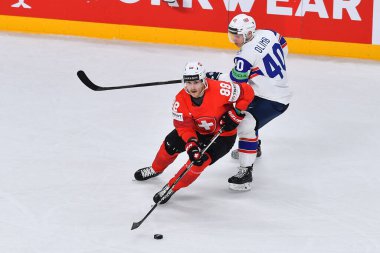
(68, 155)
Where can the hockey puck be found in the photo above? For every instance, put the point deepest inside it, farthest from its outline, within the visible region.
(158, 236)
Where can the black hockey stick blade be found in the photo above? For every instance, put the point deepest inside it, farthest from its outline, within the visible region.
(86, 81)
(138, 224)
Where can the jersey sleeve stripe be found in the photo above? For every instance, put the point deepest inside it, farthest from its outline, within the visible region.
(255, 72)
(283, 42)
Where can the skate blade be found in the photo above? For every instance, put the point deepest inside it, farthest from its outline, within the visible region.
(241, 187)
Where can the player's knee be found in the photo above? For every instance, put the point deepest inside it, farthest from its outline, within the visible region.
(173, 145)
(171, 149)
(246, 128)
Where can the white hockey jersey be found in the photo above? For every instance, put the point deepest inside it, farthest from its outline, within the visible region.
(262, 63)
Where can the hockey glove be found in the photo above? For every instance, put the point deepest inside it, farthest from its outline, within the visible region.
(213, 75)
(230, 120)
(194, 152)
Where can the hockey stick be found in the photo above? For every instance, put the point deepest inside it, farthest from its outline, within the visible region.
(138, 224)
(84, 78)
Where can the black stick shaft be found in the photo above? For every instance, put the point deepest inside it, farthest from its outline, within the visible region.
(86, 81)
(138, 224)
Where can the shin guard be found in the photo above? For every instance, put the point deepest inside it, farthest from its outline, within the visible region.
(247, 141)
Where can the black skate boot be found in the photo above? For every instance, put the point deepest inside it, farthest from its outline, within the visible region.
(235, 153)
(145, 173)
(242, 180)
(160, 195)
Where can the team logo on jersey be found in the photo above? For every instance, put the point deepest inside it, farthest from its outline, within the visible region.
(205, 125)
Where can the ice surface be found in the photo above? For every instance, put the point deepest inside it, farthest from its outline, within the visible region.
(68, 154)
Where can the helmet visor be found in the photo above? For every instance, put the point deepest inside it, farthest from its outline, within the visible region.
(234, 37)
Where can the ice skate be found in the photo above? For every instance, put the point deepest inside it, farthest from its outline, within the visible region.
(160, 195)
(242, 180)
(145, 173)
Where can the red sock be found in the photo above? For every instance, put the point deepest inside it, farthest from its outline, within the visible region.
(190, 176)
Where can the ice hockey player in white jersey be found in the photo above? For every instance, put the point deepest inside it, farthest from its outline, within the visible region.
(261, 62)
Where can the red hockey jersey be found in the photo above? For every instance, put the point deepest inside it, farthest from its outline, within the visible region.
(219, 98)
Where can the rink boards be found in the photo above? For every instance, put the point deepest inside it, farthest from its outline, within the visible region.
(330, 27)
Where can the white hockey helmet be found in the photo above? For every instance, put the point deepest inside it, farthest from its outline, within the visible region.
(194, 71)
(242, 24)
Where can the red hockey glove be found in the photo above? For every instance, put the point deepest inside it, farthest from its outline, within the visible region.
(230, 120)
(194, 152)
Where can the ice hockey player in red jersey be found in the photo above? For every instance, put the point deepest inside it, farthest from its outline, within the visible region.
(199, 111)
